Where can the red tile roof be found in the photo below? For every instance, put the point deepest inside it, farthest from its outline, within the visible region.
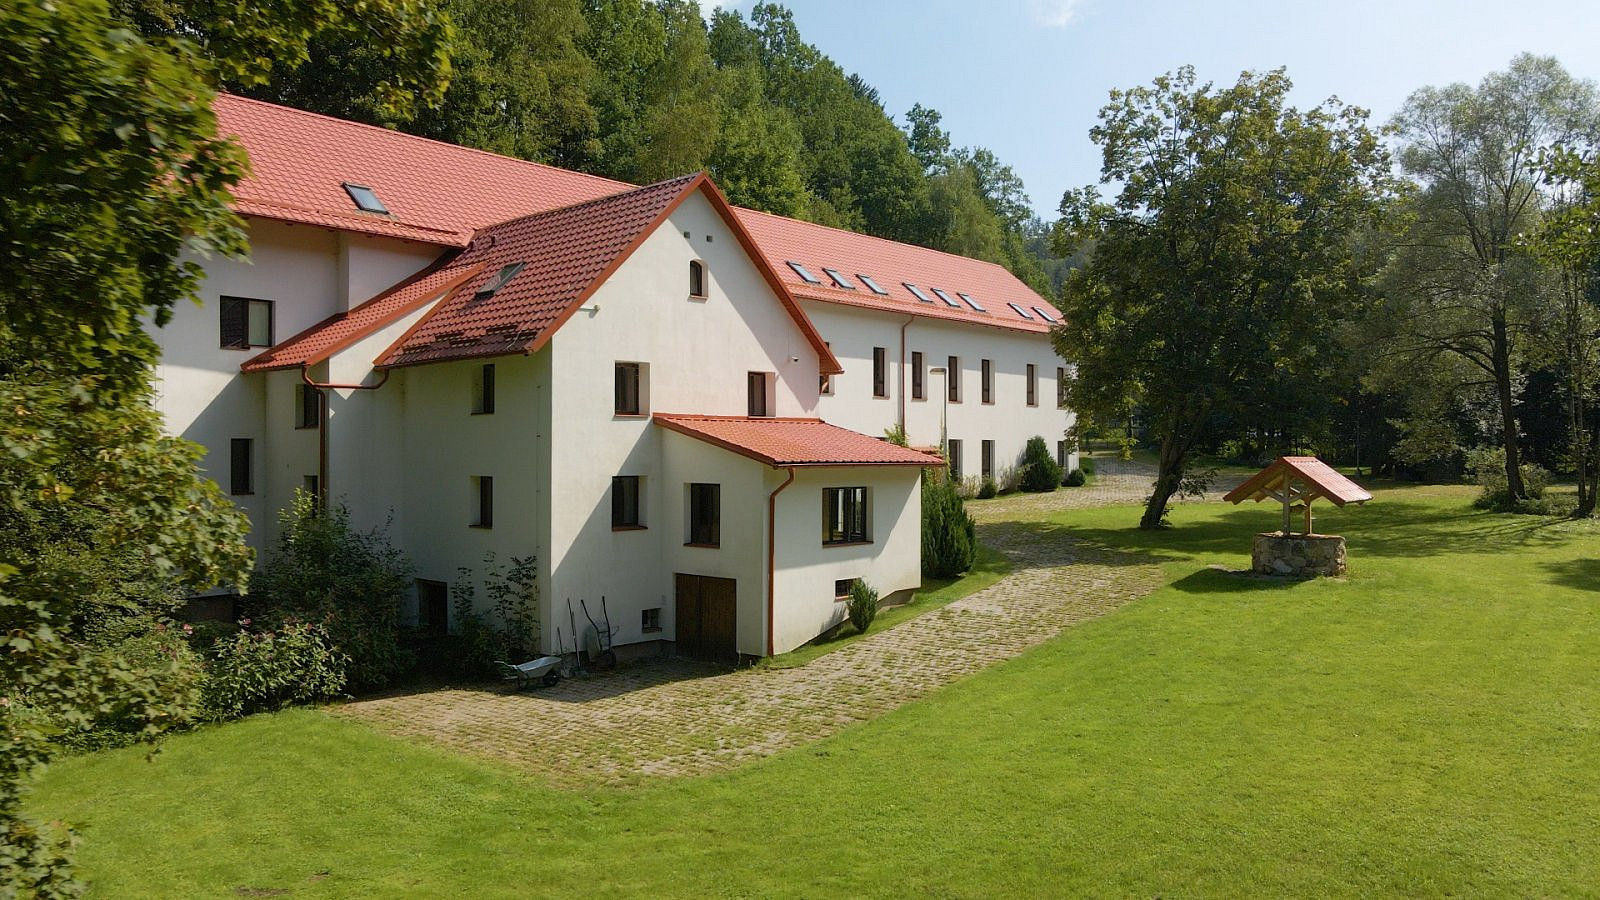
(890, 264)
(1316, 477)
(795, 442)
(565, 255)
(442, 194)
(339, 331)
(435, 192)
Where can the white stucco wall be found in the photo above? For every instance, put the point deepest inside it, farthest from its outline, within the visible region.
(852, 334)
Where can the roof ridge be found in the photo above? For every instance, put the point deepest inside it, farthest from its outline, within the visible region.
(726, 418)
(582, 203)
(873, 237)
(416, 137)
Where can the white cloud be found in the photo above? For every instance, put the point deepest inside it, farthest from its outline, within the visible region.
(707, 7)
(1050, 13)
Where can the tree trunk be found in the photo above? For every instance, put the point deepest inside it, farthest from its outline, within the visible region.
(1509, 437)
(1169, 475)
(1588, 474)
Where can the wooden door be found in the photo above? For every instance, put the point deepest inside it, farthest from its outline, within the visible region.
(706, 618)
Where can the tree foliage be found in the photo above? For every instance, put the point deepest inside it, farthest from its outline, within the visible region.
(949, 535)
(1222, 263)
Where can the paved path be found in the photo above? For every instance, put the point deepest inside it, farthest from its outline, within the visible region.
(670, 717)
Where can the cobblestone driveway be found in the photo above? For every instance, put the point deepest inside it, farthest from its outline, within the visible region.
(670, 717)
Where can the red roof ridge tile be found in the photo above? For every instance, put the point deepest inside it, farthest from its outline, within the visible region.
(873, 237)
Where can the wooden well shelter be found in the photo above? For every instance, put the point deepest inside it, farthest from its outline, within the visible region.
(1295, 481)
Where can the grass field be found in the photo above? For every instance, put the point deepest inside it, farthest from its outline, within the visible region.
(1429, 726)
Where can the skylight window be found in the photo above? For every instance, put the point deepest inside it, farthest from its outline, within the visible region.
(1020, 311)
(971, 302)
(1045, 315)
(915, 292)
(366, 199)
(948, 300)
(872, 285)
(840, 279)
(498, 281)
(804, 273)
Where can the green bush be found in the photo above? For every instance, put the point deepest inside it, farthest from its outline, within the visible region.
(988, 490)
(1040, 473)
(161, 656)
(353, 583)
(260, 671)
(509, 631)
(949, 536)
(1488, 469)
(862, 605)
(1076, 478)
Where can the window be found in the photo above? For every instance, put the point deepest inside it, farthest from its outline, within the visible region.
(804, 273)
(880, 372)
(915, 292)
(433, 605)
(629, 399)
(839, 279)
(240, 470)
(500, 280)
(246, 323)
(312, 485)
(705, 515)
(872, 285)
(971, 302)
(697, 278)
(307, 406)
(483, 390)
(918, 373)
(756, 384)
(625, 502)
(1061, 455)
(988, 459)
(483, 501)
(1061, 387)
(987, 369)
(1020, 311)
(825, 382)
(366, 199)
(841, 588)
(650, 620)
(1045, 314)
(1033, 385)
(844, 515)
(948, 300)
(952, 379)
(954, 450)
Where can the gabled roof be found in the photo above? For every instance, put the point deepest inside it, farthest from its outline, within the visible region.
(436, 192)
(794, 442)
(1316, 478)
(564, 256)
(890, 265)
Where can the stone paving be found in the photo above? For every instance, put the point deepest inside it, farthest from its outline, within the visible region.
(669, 717)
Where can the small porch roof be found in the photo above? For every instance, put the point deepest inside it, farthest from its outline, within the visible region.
(781, 443)
(1316, 478)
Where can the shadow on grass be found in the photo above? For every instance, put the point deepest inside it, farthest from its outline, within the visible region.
(1216, 581)
(1583, 574)
(593, 685)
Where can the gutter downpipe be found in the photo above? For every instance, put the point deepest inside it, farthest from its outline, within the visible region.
(772, 552)
(903, 364)
(322, 423)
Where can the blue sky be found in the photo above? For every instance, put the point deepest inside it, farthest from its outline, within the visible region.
(1026, 78)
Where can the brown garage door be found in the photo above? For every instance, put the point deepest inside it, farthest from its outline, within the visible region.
(705, 623)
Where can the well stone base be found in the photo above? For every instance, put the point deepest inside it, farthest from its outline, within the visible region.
(1299, 555)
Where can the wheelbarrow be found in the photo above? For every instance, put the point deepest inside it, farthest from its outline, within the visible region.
(545, 670)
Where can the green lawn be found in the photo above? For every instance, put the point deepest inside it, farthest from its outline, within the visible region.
(1429, 726)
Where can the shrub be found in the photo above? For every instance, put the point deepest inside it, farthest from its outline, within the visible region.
(896, 434)
(949, 536)
(1488, 469)
(159, 655)
(1076, 478)
(255, 672)
(862, 605)
(1040, 473)
(354, 583)
(988, 490)
(509, 631)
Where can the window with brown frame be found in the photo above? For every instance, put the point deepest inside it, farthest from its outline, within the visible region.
(697, 279)
(953, 454)
(756, 384)
(625, 508)
(307, 406)
(483, 501)
(705, 515)
(844, 515)
(1033, 385)
(918, 372)
(988, 459)
(246, 323)
(842, 587)
(241, 469)
(483, 390)
(880, 372)
(629, 393)
(1061, 387)
(952, 379)
(987, 368)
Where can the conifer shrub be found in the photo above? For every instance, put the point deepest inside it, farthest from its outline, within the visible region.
(988, 490)
(862, 606)
(1040, 473)
(1075, 478)
(949, 536)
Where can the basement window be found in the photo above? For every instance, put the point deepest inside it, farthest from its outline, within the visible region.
(841, 589)
(948, 300)
(366, 199)
(840, 279)
(804, 273)
(872, 285)
(499, 281)
(916, 292)
(650, 620)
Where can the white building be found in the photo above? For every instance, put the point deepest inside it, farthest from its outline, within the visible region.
(670, 402)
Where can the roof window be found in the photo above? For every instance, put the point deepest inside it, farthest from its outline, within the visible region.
(1020, 311)
(948, 300)
(804, 273)
(498, 281)
(366, 199)
(915, 292)
(872, 285)
(839, 279)
(1045, 315)
(971, 302)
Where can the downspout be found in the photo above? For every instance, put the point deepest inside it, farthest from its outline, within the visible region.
(903, 365)
(322, 423)
(772, 552)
